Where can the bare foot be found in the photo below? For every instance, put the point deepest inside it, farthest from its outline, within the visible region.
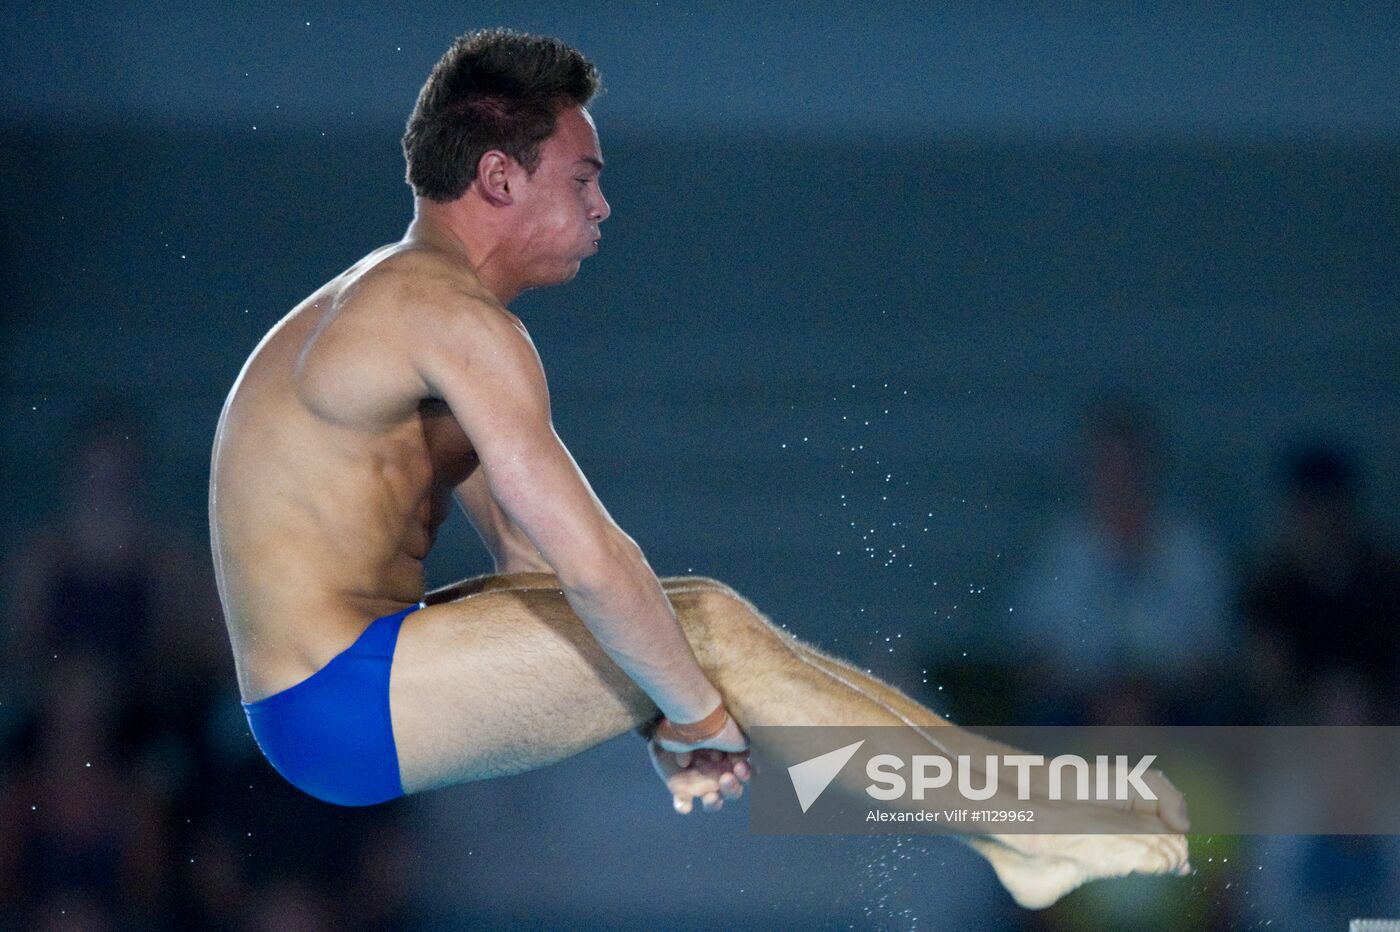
(1138, 838)
(1061, 863)
(1039, 869)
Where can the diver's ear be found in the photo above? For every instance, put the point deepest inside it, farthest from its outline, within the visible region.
(493, 177)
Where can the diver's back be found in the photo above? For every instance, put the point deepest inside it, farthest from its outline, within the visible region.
(320, 482)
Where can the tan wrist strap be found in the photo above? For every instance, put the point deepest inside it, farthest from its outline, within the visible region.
(694, 732)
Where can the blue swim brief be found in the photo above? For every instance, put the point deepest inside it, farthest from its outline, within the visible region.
(331, 734)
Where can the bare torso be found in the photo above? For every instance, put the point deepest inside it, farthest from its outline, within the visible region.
(332, 469)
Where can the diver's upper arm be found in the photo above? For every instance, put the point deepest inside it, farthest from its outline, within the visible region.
(510, 548)
(483, 364)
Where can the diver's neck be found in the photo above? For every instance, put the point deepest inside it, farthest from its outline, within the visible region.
(457, 230)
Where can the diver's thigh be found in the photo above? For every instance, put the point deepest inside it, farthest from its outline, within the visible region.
(502, 682)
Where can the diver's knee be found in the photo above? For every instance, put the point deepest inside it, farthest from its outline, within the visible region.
(720, 615)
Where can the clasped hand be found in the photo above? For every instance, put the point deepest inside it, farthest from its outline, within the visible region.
(711, 771)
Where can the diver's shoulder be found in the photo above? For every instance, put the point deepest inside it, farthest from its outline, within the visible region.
(415, 277)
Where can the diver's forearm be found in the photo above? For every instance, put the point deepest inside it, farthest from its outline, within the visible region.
(634, 623)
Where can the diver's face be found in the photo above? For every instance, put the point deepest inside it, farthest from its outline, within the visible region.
(562, 203)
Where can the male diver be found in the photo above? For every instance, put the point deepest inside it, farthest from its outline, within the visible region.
(405, 381)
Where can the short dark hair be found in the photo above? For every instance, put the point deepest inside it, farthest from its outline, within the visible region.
(494, 89)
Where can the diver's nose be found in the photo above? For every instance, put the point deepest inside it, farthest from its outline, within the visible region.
(601, 210)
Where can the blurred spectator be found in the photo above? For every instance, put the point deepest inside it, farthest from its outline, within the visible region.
(1322, 610)
(1127, 602)
(105, 579)
(1325, 602)
(1314, 879)
(102, 598)
(131, 794)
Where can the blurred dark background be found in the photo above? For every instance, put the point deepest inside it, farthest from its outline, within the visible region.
(1044, 363)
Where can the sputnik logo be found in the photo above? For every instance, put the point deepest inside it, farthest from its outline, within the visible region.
(811, 777)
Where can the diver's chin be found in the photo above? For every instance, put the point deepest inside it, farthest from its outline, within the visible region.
(563, 273)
